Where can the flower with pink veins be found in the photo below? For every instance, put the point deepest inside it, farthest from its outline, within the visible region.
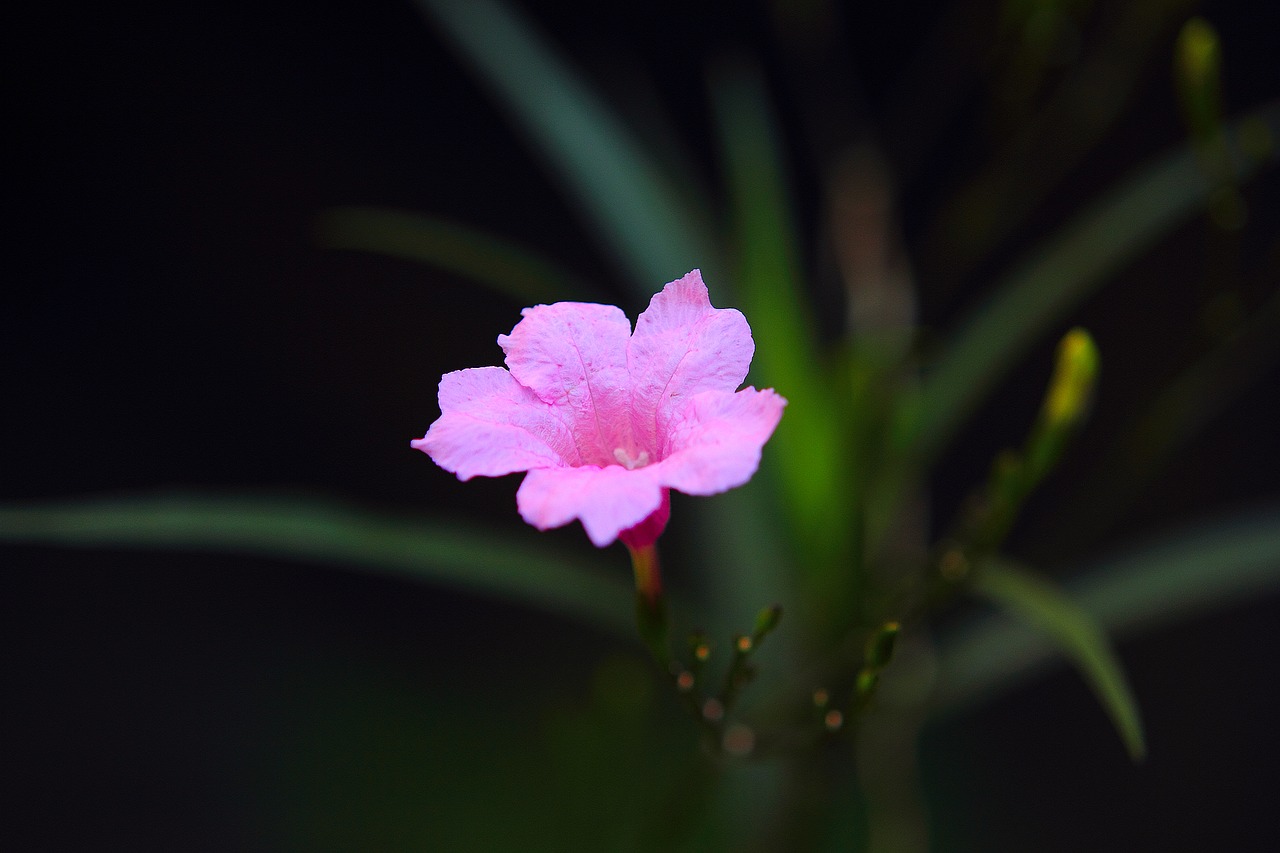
(606, 420)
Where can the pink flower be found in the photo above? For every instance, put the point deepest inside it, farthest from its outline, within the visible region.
(605, 420)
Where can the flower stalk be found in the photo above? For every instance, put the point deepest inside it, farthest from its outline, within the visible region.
(651, 602)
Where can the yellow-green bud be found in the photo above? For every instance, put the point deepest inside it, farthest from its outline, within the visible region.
(880, 645)
(1073, 380)
(1198, 69)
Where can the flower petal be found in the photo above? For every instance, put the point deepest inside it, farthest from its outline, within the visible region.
(682, 346)
(607, 500)
(647, 532)
(492, 425)
(714, 443)
(573, 356)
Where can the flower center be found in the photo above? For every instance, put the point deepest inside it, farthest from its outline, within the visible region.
(630, 462)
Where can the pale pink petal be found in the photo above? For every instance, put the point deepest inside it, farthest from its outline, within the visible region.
(714, 444)
(606, 500)
(492, 425)
(681, 347)
(573, 355)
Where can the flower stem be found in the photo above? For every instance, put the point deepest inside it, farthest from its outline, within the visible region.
(651, 602)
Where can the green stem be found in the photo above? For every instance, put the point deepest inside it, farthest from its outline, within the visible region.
(651, 603)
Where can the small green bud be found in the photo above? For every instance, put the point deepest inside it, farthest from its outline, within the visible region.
(1198, 73)
(866, 683)
(1065, 405)
(766, 620)
(1073, 380)
(1199, 53)
(880, 645)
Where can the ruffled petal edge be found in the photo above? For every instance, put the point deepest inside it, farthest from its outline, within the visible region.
(491, 425)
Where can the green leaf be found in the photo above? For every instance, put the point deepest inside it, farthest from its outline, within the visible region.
(1211, 567)
(330, 533)
(636, 210)
(500, 265)
(1059, 275)
(808, 440)
(1076, 634)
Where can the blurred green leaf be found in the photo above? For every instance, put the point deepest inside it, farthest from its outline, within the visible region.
(365, 755)
(1213, 566)
(740, 554)
(808, 439)
(622, 770)
(487, 260)
(329, 533)
(1059, 275)
(1040, 129)
(1075, 633)
(637, 211)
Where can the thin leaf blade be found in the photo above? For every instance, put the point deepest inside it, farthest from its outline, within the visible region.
(768, 273)
(635, 209)
(335, 534)
(1060, 274)
(1077, 634)
(1209, 567)
(483, 258)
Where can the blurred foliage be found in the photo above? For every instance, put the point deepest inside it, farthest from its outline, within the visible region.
(837, 525)
(1074, 631)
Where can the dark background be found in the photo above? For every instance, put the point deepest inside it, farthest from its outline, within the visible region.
(172, 322)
